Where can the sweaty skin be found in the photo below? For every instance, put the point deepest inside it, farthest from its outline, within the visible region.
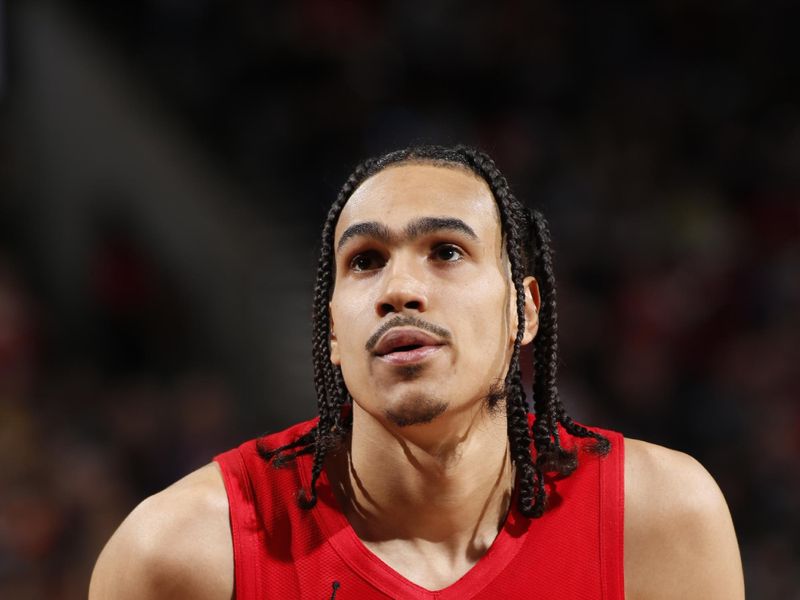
(427, 492)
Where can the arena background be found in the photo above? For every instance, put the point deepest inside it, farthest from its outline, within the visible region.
(165, 167)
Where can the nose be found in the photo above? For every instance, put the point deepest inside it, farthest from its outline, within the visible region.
(403, 291)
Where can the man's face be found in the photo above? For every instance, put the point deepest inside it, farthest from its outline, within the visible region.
(423, 317)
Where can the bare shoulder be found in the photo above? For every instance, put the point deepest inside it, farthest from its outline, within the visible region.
(679, 536)
(175, 544)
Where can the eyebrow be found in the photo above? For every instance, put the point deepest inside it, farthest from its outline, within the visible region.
(415, 229)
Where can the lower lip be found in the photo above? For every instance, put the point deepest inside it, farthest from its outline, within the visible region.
(410, 356)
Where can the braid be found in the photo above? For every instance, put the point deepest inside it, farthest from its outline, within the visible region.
(522, 229)
(551, 455)
(531, 490)
(328, 382)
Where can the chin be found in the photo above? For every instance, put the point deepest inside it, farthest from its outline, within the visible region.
(415, 411)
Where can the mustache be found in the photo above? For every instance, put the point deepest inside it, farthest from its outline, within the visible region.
(406, 321)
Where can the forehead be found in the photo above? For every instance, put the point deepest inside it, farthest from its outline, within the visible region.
(400, 193)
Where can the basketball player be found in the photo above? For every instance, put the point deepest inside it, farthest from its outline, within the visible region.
(424, 476)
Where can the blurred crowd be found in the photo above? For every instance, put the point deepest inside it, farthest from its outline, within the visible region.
(89, 428)
(661, 139)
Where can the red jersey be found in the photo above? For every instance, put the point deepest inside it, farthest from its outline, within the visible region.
(573, 551)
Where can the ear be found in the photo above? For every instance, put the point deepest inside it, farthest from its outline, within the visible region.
(335, 357)
(532, 304)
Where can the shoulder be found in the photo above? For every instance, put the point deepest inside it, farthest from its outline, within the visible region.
(175, 544)
(679, 537)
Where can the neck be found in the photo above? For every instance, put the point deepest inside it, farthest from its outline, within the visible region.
(446, 484)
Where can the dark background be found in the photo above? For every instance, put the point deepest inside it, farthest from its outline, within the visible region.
(165, 167)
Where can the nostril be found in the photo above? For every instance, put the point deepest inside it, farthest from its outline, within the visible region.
(414, 305)
(386, 308)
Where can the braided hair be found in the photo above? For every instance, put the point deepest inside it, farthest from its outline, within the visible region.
(527, 241)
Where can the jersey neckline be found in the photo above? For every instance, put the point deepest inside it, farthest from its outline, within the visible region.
(376, 572)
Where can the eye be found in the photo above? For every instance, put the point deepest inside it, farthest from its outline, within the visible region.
(366, 261)
(448, 253)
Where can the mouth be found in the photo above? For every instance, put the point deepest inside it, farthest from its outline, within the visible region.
(405, 346)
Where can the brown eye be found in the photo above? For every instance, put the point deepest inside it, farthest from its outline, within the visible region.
(448, 253)
(366, 261)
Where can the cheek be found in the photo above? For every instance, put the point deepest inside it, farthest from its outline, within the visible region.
(485, 322)
(347, 315)
(489, 306)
